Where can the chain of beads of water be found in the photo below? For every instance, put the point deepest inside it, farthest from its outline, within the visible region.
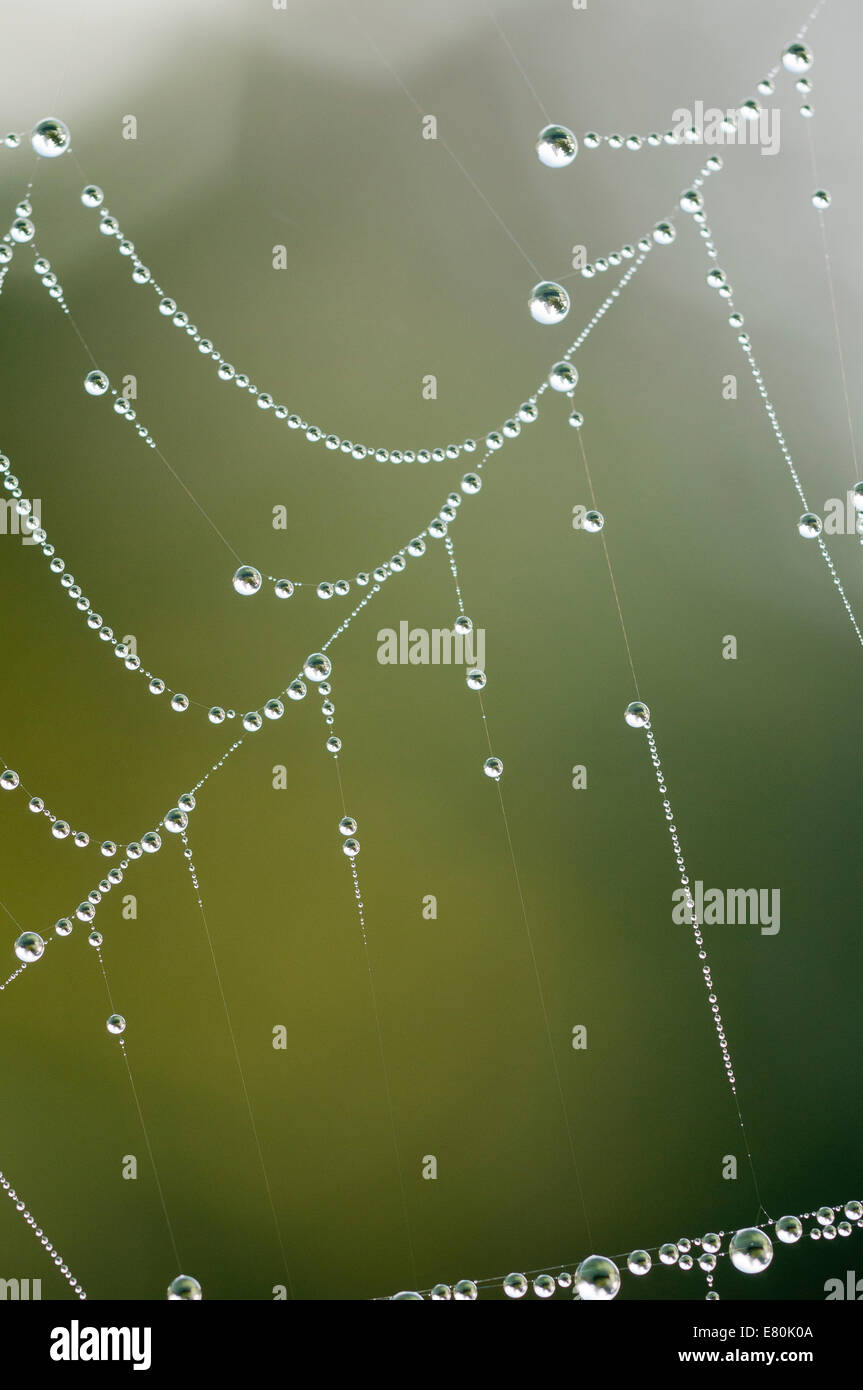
(809, 525)
(30, 1219)
(544, 1284)
(437, 529)
(92, 196)
(690, 904)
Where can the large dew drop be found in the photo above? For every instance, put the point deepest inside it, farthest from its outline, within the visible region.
(317, 667)
(788, 1229)
(751, 1251)
(184, 1287)
(96, 383)
(637, 714)
(597, 1278)
(50, 138)
(247, 580)
(29, 947)
(556, 146)
(549, 302)
(797, 58)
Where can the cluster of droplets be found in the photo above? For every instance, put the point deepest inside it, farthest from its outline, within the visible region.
(96, 383)
(637, 715)
(60, 829)
(809, 525)
(29, 946)
(248, 581)
(93, 197)
(30, 1219)
(598, 1277)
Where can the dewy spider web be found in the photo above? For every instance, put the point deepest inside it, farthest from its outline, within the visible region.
(596, 1276)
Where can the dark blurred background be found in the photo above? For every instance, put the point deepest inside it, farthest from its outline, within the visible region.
(258, 128)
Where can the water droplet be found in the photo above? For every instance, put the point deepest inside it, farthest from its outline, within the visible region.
(407, 1297)
(50, 138)
(797, 58)
(441, 1293)
(175, 821)
(9, 780)
(493, 767)
(788, 1229)
(95, 938)
(825, 1216)
(85, 912)
(715, 277)
(316, 667)
(60, 829)
(347, 825)
(809, 526)
(548, 303)
(750, 1250)
(465, 1290)
(637, 715)
(515, 1286)
(252, 721)
(247, 580)
(333, 744)
(711, 1242)
(668, 1253)
(179, 702)
(576, 419)
(597, 1278)
(593, 521)
(63, 926)
(151, 842)
(96, 383)
(476, 679)
(563, 377)
(274, 709)
(556, 147)
(470, 483)
(750, 110)
(29, 946)
(664, 233)
(283, 588)
(544, 1286)
(463, 625)
(184, 1287)
(691, 200)
(821, 198)
(854, 1211)
(116, 1024)
(92, 196)
(639, 1262)
(296, 690)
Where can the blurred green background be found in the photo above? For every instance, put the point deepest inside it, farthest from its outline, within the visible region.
(258, 128)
